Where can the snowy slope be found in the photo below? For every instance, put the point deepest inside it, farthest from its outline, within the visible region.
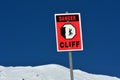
(47, 72)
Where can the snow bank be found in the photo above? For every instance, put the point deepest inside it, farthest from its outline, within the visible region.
(47, 72)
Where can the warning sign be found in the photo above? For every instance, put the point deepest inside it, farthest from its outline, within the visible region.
(68, 32)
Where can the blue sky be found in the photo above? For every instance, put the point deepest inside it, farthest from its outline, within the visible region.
(27, 34)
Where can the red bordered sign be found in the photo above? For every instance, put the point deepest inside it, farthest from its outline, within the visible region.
(68, 32)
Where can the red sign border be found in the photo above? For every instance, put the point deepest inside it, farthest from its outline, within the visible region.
(80, 32)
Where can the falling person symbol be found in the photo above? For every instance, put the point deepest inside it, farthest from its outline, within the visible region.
(70, 32)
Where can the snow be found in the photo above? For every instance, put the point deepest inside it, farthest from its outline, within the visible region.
(47, 72)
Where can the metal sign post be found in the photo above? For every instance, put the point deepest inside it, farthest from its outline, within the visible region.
(71, 66)
(68, 35)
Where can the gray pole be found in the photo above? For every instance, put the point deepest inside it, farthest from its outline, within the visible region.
(70, 62)
(71, 66)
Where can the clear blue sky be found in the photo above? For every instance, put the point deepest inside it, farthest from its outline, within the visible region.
(27, 34)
